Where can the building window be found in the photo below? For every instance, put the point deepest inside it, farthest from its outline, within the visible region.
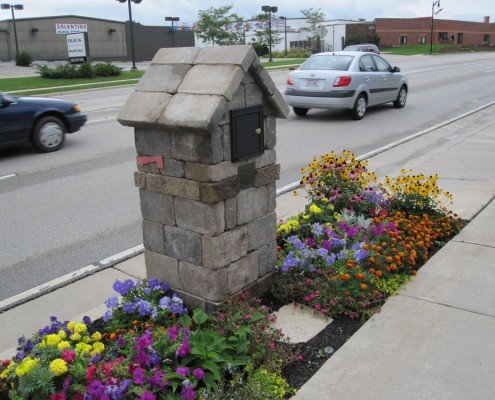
(422, 39)
(300, 44)
(443, 36)
(486, 38)
(403, 39)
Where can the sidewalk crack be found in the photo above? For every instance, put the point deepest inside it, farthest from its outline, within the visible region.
(474, 244)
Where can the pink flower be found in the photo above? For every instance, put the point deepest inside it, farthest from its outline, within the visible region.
(184, 349)
(68, 355)
(272, 345)
(300, 358)
(58, 396)
(199, 374)
(90, 372)
(173, 332)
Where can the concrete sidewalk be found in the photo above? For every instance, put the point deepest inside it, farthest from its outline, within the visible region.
(432, 341)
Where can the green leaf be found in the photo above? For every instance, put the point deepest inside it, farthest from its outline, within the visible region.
(185, 320)
(199, 316)
(213, 368)
(257, 317)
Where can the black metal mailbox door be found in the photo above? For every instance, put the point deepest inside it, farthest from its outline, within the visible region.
(247, 133)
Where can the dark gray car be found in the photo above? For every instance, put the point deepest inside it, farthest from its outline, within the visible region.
(368, 47)
(350, 80)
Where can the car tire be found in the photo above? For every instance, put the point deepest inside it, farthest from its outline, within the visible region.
(360, 107)
(300, 111)
(400, 102)
(49, 134)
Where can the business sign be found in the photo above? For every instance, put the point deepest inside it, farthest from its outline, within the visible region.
(76, 46)
(66, 29)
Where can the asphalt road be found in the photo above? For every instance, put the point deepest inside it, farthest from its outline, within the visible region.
(65, 210)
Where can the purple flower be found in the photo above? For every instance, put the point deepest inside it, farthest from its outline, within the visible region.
(164, 302)
(157, 378)
(184, 349)
(112, 302)
(322, 252)
(86, 320)
(176, 308)
(341, 254)
(144, 341)
(144, 307)
(154, 313)
(154, 284)
(147, 291)
(317, 229)
(129, 307)
(187, 392)
(107, 316)
(199, 374)
(172, 333)
(165, 286)
(138, 376)
(96, 388)
(123, 287)
(360, 255)
(53, 318)
(147, 395)
(184, 371)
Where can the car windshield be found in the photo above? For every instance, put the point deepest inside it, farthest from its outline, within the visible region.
(329, 62)
(352, 48)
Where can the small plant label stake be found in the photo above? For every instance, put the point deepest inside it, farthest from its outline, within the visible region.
(209, 222)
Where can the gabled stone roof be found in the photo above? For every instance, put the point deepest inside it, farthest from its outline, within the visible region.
(191, 87)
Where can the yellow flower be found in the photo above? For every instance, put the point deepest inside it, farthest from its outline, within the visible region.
(51, 340)
(75, 337)
(96, 336)
(314, 209)
(70, 325)
(64, 344)
(80, 328)
(305, 216)
(62, 334)
(26, 366)
(83, 348)
(98, 347)
(58, 367)
(7, 370)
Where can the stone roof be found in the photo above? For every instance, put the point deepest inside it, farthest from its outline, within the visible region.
(191, 87)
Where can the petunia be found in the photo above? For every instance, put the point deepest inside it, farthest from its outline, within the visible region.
(184, 371)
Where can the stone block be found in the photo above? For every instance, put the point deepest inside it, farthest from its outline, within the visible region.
(172, 168)
(202, 282)
(268, 157)
(271, 194)
(248, 78)
(219, 191)
(143, 109)
(254, 95)
(162, 267)
(279, 105)
(199, 112)
(163, 78)
(153, 236)
(267, 258)
(251, 204)
(243, 272)
(270, 132)
(220, 80)
(176, 55)
(183, 245)
(221, 250)
(140, 179)
(198, 148)
(238, 100)
(264, 176)
(242, 55)
(152, 142)
(230, 213)
(172, 186)
(196, 216)
(157, 207)
(263, 78)
(262, 231)
(210, 173)
(226, 143)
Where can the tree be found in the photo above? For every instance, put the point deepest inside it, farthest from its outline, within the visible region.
(211, 26)
(314, 19)
(261, 39)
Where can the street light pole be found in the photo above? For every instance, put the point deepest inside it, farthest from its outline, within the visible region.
(285, 33)
(270, 10)
(131, 29)
(13, 7)
(172, 19)
(435, 3)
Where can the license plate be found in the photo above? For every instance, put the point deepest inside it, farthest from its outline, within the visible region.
(312, 83)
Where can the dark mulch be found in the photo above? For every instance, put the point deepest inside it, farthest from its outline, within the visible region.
(318, 350)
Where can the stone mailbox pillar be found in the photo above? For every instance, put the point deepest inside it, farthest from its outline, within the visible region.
(207, 190)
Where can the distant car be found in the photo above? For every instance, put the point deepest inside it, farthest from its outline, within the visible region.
(368, 47)
(41, 121)
(349, 80)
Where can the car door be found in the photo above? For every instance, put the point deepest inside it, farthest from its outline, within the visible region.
(389, 82)
(368, 70)
(14, 123)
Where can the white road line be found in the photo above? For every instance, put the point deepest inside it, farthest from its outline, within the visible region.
(7, 177)
(487, 72)
(101, 120)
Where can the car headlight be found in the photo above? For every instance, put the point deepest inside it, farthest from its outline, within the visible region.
(77, 108)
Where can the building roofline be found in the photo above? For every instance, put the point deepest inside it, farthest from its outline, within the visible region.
(64, 16)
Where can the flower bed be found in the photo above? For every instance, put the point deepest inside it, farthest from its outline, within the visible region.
(355, 244)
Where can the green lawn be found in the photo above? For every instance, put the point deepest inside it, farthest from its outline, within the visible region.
(39, 85)
(414, 49)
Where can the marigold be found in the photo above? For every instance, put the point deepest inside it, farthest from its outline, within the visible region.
(26, 366)
(80, 327)
(58, 367)
(363, 286)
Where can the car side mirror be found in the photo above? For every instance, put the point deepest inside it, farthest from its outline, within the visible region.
(4, 102)
(292, 68)
(395, 69)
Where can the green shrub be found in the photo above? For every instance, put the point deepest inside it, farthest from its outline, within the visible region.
(106, 69)
(85, 71)
(23, 59)
(66, 71)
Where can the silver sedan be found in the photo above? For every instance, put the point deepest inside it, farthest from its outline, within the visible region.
(349, 80)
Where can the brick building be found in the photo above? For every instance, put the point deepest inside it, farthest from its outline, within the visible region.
(409, 31)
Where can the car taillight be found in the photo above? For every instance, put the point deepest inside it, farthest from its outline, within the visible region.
(77, 108)
(290, 81)
(342, 81)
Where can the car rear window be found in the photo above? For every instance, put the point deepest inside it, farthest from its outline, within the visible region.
(328, 62)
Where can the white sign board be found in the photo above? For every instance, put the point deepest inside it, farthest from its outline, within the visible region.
(66, 29)
(76, 45)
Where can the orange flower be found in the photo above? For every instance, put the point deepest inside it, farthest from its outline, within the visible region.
(359, 275)
(372, 271)
(363, 286)
(135, 322)
(389, 259)
(347, 293)
(393, 267)
(113, 336)
(378, 274)
(345, 277)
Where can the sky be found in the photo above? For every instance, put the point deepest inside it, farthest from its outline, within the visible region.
(153, 12)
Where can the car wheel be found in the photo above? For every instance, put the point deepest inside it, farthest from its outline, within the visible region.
(400, 102)
(300, 111)
(49, 134)
(359, 107)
